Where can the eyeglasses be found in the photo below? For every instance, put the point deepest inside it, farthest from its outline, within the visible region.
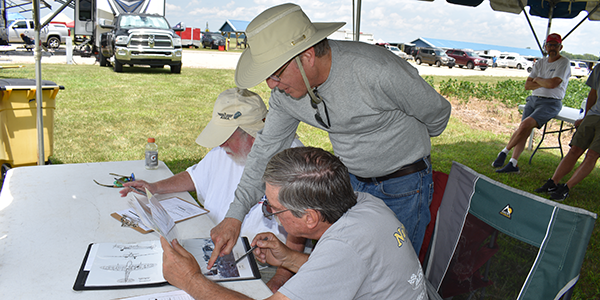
(317, 114)
(552, 45)
(277, 78)
(268, 210)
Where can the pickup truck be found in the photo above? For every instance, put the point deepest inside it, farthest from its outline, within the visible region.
(51, 35)
(141, 39)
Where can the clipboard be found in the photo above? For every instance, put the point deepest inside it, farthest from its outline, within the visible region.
(96, 273)
(186, 210)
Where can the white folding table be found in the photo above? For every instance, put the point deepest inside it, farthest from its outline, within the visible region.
(50, 214)
(566, 114)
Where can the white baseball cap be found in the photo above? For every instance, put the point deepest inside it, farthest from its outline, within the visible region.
(234, 108)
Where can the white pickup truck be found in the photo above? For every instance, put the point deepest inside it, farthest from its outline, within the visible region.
(52, 35)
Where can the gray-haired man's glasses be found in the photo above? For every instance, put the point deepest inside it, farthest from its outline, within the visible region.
(268, 210)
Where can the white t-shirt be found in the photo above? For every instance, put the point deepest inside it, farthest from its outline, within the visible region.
(216, 177)
(560, 68)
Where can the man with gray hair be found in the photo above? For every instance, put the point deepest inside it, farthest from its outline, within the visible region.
(378, 112)
(362, 252)
(238, 114)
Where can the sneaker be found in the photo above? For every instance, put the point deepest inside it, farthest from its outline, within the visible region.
(499, 162)
(509, 168)
(561, 193)
(548, 187)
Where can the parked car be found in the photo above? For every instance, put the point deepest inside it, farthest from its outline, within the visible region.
(467, 58)
(579, 69)
(490, 59)
(514, 61)
(51, 35)
(397, 51)
(433, 56)
(212, 40)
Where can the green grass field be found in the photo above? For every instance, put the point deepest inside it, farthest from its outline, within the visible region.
(107, 116)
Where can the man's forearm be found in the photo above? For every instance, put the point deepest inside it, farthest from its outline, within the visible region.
(200, 287)
(181, 182)
(549, 83)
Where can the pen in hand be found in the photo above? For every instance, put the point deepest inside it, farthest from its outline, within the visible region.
(248, 252)
(131, 187)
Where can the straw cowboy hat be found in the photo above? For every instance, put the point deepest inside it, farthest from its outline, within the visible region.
(274, 37)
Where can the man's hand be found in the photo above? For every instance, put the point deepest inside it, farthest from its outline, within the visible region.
(224, 236)
(139, 184)
(270, 249)
(179, 266)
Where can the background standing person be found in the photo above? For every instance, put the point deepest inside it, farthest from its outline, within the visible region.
(379, 114)
(587, 137)
(548, 82)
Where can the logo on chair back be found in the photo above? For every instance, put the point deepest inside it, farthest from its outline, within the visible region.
(507, 211)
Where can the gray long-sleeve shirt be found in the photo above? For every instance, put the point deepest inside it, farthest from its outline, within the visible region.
(382, 117)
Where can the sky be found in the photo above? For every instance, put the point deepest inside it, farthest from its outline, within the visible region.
(400, 21)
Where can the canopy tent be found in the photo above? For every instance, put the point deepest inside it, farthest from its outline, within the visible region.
(565, 9)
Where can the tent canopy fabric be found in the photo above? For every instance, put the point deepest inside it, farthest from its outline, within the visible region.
(541, 8)
(14, 16)
(559, 234)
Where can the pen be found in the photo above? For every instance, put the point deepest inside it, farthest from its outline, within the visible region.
(132, 187)
(248, 252)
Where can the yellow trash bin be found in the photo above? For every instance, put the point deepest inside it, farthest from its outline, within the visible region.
(18, 121)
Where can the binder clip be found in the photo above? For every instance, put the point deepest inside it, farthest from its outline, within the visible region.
(128, 222)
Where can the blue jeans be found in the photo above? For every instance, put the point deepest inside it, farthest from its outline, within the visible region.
(408, 197)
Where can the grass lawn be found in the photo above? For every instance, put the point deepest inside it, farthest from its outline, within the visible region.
(107, 116)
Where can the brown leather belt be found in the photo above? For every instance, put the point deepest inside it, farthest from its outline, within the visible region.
(405, 170)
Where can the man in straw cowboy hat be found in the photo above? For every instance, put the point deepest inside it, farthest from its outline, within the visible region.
(363, 251)
(379, 114)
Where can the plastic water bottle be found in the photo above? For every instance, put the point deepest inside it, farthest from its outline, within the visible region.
(151, 155)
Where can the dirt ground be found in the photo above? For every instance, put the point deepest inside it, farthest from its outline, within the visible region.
(495, 117)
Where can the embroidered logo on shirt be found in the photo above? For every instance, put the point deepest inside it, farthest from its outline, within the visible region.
(400, 236)
(507, 211)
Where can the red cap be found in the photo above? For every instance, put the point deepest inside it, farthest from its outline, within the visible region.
(151, 140)
(554, 37)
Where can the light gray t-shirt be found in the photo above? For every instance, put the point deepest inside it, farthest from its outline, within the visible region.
(594, 82)
(382, 116)
(364, 255)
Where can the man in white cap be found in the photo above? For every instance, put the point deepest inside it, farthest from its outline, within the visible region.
(238, 114)
(379, 114)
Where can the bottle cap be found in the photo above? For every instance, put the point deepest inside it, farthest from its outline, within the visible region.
(150, 140)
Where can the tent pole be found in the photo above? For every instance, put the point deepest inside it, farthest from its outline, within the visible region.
(38, 81)
(585, 18)
(549, 21)
(353, 17)
(532, 30)
(357, 29)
